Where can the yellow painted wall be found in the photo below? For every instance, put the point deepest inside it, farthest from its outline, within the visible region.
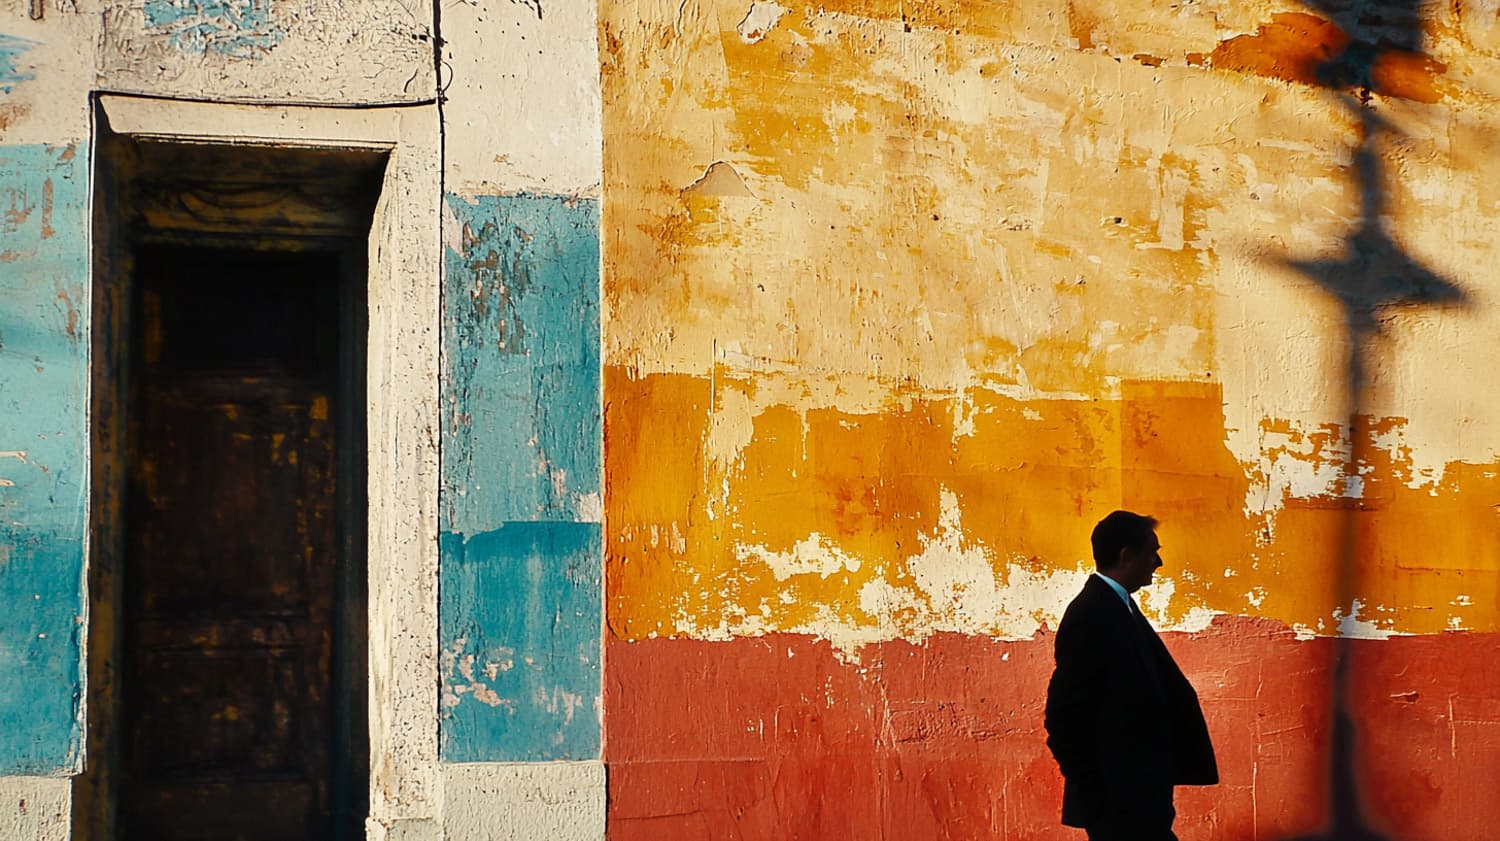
(901, 299)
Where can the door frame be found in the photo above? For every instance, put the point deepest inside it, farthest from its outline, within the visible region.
(400, 424)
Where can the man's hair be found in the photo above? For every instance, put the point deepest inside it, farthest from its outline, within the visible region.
(1120, 530)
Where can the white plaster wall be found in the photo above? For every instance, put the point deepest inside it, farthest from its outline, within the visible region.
(558, 801)
(402, 384)
(523, 108)
(35, 808)
(297, 51)
(52, 106)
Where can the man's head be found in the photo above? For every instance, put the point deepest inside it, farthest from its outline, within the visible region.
(1126, 549)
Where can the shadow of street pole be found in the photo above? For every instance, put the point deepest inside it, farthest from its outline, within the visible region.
(1372, 277)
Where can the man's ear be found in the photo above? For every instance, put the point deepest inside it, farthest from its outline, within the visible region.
(1121, 558)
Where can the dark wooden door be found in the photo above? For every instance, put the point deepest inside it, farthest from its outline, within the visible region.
(227, 688)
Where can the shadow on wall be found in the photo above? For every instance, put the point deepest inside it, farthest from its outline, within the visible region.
(1375, 43)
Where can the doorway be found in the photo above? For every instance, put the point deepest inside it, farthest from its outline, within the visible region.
(228, 630)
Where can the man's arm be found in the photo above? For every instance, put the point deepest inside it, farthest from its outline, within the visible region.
(1072, 694)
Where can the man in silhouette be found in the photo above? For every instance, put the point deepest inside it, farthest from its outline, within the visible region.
(1122, 721)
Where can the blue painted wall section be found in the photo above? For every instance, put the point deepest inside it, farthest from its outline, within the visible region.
(238, 28)
(43, 453)
(11, 50)
(522, 438)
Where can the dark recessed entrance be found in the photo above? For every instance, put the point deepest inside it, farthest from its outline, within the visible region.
(232, 548)
(228, 634)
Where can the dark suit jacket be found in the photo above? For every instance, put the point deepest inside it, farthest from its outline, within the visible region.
(1110, 661)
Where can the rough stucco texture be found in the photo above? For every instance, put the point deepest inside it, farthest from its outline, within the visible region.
(520, 499)
(303, 51)
(899, 299)
(43, 474)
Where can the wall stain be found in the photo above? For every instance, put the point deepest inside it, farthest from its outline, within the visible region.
(11, 50)
(1301, 47)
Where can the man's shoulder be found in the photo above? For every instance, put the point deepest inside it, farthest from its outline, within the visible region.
(1094, 590)
(1090, 602)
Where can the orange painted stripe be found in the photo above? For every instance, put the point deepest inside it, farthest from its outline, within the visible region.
(1028, 478)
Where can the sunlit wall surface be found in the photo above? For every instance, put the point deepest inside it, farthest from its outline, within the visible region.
(899, 299)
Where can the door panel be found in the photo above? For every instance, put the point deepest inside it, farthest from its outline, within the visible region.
(233, 554)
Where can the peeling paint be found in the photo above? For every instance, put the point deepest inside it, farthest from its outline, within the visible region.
(520, 500)
(903, 528)
(759, 20)
(11, 51)
(521, 673)
(237, 28)
(521, 394)
(43, 400)
(303, 51)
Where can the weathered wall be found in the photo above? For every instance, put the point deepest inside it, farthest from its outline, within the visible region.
(45, 71)
(290, 51)
(522, 548)
(900, 299)
(52, 56)
(43, 391)
(516, 641)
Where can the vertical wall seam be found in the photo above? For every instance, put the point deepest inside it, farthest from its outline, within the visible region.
(439, 97)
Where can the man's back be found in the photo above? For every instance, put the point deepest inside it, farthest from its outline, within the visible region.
(1122, 721)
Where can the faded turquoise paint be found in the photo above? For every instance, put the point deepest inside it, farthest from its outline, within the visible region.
(521, 349)
(239, 28)
(43, 453)
(520, 605)
(11, 50)
(520, 623)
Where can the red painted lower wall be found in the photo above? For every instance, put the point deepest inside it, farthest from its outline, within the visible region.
(776, 738)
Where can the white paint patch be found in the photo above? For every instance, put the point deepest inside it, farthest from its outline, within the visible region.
(35, 808)
(1296, 466)
(813, 555)
(955, 587)
(730, 428)
(1418, 476)
(491, 801)
(1156, 603)
(1353, 627)
(761, 18)
(523, 110)
(590, 507)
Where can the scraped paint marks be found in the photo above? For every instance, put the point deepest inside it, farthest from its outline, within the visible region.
(236, 28)
(520, 629)
(730, 517)
(904, 207)
(777, 737)
(43, 452)
(521, 597)
(522, 437)
(11, 50)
